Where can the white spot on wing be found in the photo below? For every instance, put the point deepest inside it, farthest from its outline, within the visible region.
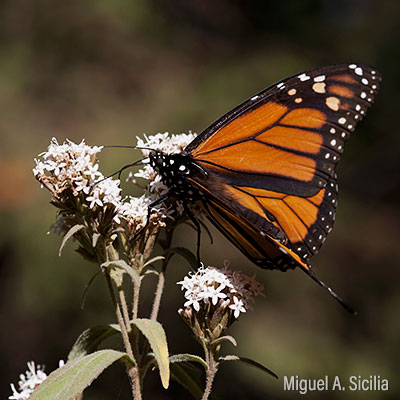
(303, 77)
(320, 78)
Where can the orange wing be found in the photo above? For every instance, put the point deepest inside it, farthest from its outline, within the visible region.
(271, 161)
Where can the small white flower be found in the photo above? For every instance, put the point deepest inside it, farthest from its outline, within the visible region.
(237, 307)
(82, 185)
(214, 294)
(92, 171)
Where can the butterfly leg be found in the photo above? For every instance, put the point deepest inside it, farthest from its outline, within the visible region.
(196, 223)
(150, 207)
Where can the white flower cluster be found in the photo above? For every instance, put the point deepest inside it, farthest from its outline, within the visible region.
(75, 165)
(165, 142)
(28, 381)
(211, 284)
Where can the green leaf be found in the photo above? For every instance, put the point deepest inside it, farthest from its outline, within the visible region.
(121, 264)
(189, 377)
(154, 259)
(178, 358)
(69, 381)
(89, 340)
(248, 361)
(150, 272)
(223, 338)
(185, 253)
(68, 236)
(155, 334)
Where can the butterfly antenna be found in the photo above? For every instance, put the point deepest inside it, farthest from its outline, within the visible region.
(117, 146)
(119, 172)
(331, 292)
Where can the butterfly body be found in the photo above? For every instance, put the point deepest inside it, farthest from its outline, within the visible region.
(264, 173)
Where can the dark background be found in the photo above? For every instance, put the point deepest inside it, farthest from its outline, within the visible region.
(109, 70)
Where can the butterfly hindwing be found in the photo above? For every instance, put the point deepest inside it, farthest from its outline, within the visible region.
(258, 246)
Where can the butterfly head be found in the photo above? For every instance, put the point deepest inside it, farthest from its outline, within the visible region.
(169, 165)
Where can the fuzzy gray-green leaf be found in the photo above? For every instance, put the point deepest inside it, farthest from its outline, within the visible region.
(121, 264)
(225, 338)
(155, 334)
(185, 357)
(70, 380)
(68, 236)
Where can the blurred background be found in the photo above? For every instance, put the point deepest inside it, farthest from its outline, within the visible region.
(109, 70)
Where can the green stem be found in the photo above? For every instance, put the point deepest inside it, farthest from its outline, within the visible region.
(134, 334)
(124, 306)
(210, 373)
(136, 293)
(133, 372)
(161, 279)
(158, 294)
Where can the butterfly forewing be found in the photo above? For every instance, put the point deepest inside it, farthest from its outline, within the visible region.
(296, 127)
(272, 159)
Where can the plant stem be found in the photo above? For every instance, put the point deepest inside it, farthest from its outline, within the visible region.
(161, 280)
(136, 383)
(136, 293)
(210, 374)
(133, 372)
(158, 294)
(124, 307)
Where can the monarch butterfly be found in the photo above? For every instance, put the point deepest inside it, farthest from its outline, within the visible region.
(264, 173)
